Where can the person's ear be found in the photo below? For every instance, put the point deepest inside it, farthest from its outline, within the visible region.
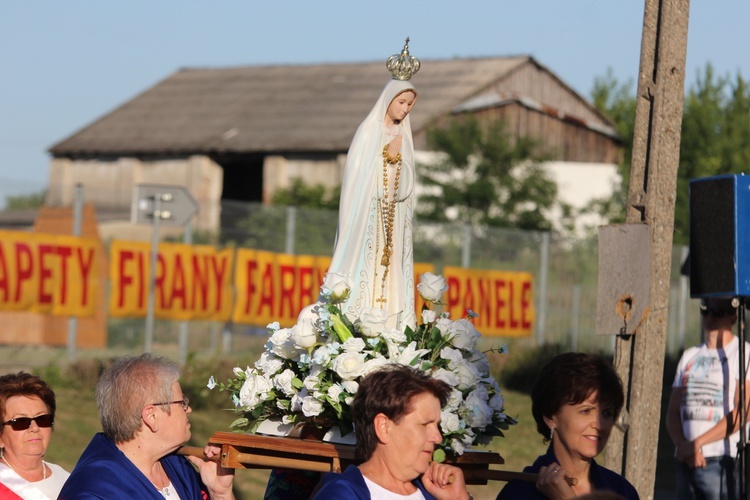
(150, 418)
(551, 423)
(382, 426)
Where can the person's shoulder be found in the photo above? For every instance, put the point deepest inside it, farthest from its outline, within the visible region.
(517, 489)
(56, 469)
(348, 485)
(614, 482)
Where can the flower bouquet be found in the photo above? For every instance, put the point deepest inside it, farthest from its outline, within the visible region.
(309, 374)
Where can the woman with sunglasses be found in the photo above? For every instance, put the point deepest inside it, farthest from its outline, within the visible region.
(702, 418)
(27, 406)
(144, 416)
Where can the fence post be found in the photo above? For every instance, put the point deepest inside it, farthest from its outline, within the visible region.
(291, 226)
(575, 309)
(466, 250)
(187, 238)
(542, 292)
(77, 231)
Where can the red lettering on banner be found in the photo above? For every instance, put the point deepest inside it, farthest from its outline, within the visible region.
(220, 273)
(85, 270)
(305, 286)
(200, 282)
(454, 292)
(4, 278)
(124, 280)
(178, 284)
(499, 304)
(64, 252)
(469, 296)
(24, 272)
(525, 304)
(45, 273)
(483, 308)
(266, 292)
(287, 290)
(252, 266)
(512, 309)
(161, 271)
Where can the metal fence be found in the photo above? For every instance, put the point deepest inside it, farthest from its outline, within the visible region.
(565, 274)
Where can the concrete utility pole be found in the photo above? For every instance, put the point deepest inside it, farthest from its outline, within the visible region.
(639, 358)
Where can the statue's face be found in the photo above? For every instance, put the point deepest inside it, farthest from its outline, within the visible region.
(400, 106)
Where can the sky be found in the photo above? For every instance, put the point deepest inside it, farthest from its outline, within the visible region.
(65, 63)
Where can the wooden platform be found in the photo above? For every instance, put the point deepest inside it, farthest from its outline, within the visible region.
(252, 451)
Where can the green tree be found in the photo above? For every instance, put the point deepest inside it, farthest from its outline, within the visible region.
(301, 194)
(715, 128)
(25, 202)
(482, 177)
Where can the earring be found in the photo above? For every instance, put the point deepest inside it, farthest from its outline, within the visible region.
(551, 433)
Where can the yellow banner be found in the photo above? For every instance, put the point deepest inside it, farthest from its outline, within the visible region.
(47, 273)
(503, 300)
(192, 281)
(275, 287)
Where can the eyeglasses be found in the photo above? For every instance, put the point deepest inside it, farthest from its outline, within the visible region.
(23, 423)
(716, 312)
(185, 402)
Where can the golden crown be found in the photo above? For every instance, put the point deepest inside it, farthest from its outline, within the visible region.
(403, 66)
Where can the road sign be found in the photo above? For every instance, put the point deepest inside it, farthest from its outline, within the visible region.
(176, 205)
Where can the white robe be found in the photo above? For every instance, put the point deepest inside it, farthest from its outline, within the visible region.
(360, 237)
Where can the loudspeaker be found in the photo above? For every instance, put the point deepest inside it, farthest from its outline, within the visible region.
(720, 236)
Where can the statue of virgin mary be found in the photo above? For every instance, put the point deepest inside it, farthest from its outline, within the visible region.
(373, 246)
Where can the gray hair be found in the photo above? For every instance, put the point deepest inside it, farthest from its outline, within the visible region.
(125, 388)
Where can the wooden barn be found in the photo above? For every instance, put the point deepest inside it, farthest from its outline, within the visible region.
(241, 133)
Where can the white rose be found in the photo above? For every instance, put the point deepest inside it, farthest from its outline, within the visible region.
(349, 365)
(454, 400)
(393, 335)
(350, 386)
(335, 391)
(497, 403)
(373, 365)
(311, 382)
(283, 382)
(431, 287)
(336, 285)
(479, 413)
(254, 390)
(453, 356)
(444, 325)
(458, 446)
(304, 335)
(467, 375)
(371, 321)
(428, 316)
(311, 407)
(321, 356)
(464, 336)
(238, 371)
(481, 363)
(280, 344)
(353, 344)
(446, 376)
(269, 363)
(449, 422)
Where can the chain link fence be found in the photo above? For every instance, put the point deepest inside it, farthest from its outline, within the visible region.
(565, 274)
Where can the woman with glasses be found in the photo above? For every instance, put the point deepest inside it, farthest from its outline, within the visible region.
(27, 407)
(702, 418)
(144, 416)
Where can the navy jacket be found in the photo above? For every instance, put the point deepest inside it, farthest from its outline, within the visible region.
(601, 477)
(350, 485)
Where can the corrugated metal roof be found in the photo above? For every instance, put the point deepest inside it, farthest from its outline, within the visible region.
(273, 108)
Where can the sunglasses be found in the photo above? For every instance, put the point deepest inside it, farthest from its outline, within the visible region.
(185, 402)
(716, 312)
(23, 423)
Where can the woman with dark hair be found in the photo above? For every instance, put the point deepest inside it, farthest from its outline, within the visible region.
(575, 401)
(396, 420)
(27, 407)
